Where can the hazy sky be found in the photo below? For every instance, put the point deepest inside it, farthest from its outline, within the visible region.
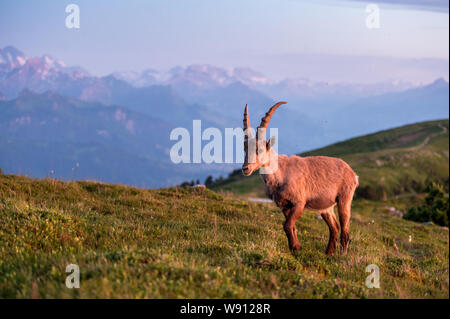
(137, 34)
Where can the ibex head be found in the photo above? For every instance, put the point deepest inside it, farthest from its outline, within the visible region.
(257, 150)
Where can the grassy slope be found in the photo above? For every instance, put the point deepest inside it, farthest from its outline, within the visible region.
(387, 160)
(195, 243)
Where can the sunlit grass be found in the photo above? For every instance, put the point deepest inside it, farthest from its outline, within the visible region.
(194, 243)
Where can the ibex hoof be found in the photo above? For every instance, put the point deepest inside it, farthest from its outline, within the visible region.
(295, 249)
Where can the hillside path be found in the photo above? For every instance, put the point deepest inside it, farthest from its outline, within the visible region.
(427, 140)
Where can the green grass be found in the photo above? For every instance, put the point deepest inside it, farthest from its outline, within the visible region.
(389, 163)
(195, 243)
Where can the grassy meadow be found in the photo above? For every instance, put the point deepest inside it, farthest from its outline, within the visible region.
(195, 243)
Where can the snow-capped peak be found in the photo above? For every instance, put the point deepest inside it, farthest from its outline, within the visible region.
(11, 58)
(50, 62)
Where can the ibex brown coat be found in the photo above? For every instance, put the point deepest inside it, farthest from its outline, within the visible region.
(316, 183)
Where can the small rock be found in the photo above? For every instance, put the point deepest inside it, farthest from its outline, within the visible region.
(428, 223)
(393, 211)
(397, 213)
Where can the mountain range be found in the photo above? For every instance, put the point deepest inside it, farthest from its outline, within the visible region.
(117, 127)
(18, 71)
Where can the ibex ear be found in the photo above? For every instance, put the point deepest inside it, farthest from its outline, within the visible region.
(271, 142)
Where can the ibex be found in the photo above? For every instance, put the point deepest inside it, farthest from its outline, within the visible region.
(315, 183)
